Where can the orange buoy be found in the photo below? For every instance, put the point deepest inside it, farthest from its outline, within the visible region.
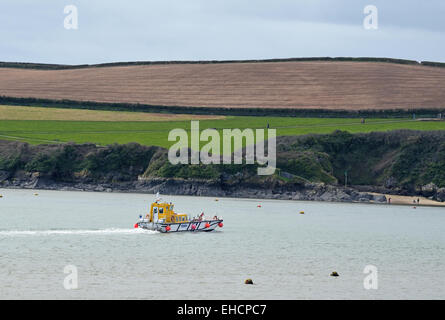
(220, 224)
(193, 227)
(167, 228)
(259, 206)
(136, 226)
(207, 225)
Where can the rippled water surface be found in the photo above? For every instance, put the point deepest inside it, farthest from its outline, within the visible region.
(288, 255)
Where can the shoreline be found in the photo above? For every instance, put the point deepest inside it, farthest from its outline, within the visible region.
(371, 198)
(408, 201)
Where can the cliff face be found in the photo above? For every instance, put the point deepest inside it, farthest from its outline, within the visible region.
(310, 167)
(401, 162)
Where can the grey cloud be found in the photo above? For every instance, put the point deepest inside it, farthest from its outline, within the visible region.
(117, 30)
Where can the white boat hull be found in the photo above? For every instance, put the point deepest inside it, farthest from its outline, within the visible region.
(193, 226)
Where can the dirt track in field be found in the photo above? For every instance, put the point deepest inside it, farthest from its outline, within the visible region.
(325, 85)
(61, 114)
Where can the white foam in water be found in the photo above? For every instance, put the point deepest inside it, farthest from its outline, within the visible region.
(74, 232)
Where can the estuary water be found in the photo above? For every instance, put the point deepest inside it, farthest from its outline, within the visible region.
(287, 254)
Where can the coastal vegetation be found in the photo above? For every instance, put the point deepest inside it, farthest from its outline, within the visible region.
(402, 162)
(337, 124)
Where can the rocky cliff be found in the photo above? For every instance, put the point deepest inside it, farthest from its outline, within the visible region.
(310, 167)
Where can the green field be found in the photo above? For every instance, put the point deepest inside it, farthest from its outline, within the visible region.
(156, 133)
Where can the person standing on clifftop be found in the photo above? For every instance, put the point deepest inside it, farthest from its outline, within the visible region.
(389, 200)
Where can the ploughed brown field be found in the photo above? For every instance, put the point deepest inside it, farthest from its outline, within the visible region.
(325, 85)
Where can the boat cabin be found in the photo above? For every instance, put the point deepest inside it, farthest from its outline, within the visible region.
(163, 211)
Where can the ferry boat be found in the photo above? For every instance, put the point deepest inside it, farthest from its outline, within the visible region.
(163, 218)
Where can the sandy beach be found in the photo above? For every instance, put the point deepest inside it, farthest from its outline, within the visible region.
(409, 200)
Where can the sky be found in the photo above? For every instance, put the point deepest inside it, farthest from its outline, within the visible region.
(146, 30)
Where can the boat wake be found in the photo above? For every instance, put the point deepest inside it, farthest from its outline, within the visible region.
(110, 231)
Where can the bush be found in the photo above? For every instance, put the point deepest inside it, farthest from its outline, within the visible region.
(11, 163)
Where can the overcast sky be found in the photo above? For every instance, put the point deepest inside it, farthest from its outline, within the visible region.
(117, 30)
